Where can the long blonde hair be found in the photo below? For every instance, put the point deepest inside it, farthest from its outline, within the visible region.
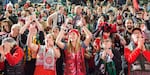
(77, 46)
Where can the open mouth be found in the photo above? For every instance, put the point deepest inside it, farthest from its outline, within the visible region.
(129, 28)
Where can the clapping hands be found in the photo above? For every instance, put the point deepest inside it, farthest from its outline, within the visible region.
(141, 41)
(30, 19)
(5, 48)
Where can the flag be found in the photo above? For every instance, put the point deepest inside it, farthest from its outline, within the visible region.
(135, 5)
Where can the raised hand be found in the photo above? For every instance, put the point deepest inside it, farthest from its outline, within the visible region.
(6, 48)
(109, 52)
(141, 41)
(28, 19)
(2, 54)
(103, 56)
(143, 48)
(79, 23)
(64, 27)
(34, 17)
(146, 17)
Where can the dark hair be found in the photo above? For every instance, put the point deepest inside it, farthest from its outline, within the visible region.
(28, 11)
(106, 28)
(106, 18)
(137, 29)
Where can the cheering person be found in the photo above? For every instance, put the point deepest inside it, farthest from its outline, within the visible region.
(74, 50)
(137, 54)
(11, 59)
(46, 54)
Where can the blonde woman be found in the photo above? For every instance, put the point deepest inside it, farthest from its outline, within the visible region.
(46, 54)
(74, 50)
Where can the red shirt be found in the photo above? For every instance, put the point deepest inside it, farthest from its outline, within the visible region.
(131, 56)
(13, 59)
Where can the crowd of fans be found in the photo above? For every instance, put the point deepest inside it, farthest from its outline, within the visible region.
(78, 37)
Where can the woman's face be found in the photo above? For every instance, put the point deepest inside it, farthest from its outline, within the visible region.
(49, 40)
(55, 32)
(73, 37)
(143, 27)
(6, 26)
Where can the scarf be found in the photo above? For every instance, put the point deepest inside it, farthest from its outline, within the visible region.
(46, 58)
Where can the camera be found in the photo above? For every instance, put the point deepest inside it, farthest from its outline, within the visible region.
(33, 21)
(66, 29)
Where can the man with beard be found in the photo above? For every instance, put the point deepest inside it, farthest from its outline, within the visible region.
(11, 15)
(129, 26)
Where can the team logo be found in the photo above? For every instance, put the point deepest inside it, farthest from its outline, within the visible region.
(49, 60)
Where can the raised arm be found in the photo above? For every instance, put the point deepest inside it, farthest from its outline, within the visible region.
(82, 23)
(32, 32)
(22, 30)
(50, 20)
(59, 39)
(39, 26)
(2, 54)
(88, 35)
(27, 24)
(122, 40)
(57, 52)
